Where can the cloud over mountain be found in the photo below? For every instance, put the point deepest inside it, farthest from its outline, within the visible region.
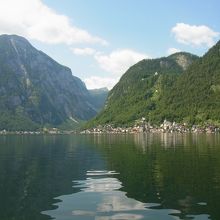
(34, 20)
(200, 35)
(117, 62)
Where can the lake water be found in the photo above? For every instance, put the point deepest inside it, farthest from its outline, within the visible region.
(110, 177)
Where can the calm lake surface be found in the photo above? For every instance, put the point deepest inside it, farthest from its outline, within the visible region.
(110, 177)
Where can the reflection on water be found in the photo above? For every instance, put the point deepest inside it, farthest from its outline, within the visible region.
(173, 140)
(109, 177)
(100, 173)
(98, 184)
(100, 198)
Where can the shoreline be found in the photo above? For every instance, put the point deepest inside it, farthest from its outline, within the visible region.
(33, 133)
(138, 128)
(142, 126)
(101, 133)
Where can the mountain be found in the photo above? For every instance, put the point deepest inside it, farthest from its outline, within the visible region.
(98, 97)
(36, 90)
(141, 90)
(195, 96)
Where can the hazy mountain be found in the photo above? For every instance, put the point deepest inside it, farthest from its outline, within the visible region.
(98, 97)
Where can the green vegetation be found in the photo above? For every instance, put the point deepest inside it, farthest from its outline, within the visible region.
(142, 91)
(70, 125)
(181, 88)
(15, 122)
(195, 95)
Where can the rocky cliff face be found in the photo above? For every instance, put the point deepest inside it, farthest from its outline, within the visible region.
(183, 59)
(34, 86)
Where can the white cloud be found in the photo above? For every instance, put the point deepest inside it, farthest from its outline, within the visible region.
(119, 61)
(194, 35)
(115, 63)
(172, 50)
(95, 82)
(84, 51)
(35, 20)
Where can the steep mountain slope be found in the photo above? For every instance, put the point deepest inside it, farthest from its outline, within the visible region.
(35, 89)
(140, 91)
(98, 97)
(196, 94)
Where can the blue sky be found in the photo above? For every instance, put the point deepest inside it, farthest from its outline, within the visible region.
(100, 39)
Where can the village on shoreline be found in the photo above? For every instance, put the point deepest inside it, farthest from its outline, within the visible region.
(141, 126)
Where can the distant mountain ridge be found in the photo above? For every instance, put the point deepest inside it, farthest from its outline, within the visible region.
(98, 97)
(36, 90)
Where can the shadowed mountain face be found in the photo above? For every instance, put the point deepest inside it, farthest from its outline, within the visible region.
(35, 89)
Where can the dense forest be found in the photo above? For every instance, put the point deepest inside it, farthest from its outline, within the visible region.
(181, 88)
